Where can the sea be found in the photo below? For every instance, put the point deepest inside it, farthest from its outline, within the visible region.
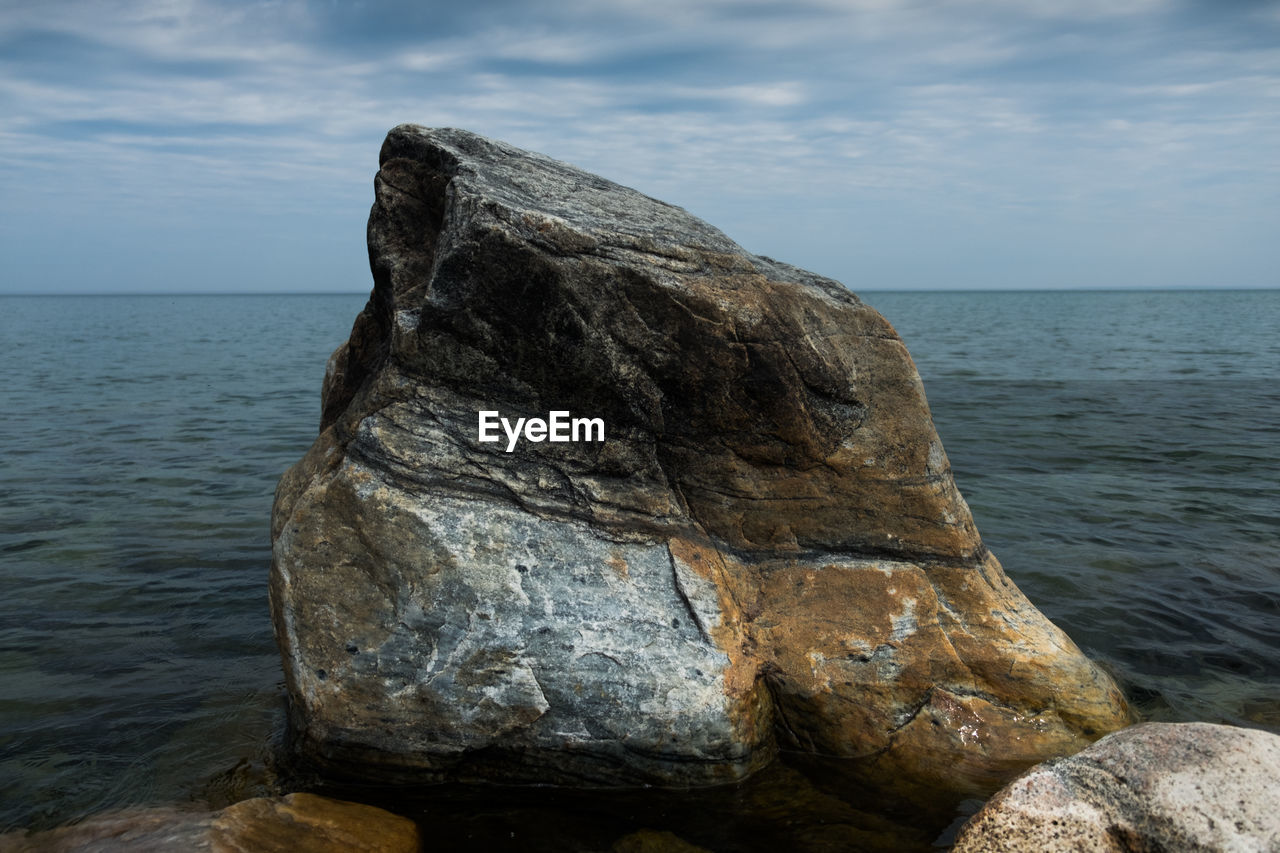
(1120, 451)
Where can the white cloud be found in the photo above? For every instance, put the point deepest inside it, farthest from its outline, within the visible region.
(434, 59)
(968, 107)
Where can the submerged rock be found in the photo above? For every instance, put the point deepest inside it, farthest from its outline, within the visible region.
(653, 841)
(297, 823)
(766, 549)
(1157, 786)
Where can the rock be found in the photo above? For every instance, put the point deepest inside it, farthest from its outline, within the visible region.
(767, 548)
(297, 823)
(154, 830)
(654, 841)
(306, 823)
(1156, 786)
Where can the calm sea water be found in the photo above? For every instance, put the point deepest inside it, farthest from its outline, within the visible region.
(1120, 452)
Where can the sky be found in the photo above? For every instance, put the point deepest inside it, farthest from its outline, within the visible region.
(205, 146)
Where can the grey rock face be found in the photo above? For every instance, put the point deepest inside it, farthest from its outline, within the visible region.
(1157, 786)
(767, 544)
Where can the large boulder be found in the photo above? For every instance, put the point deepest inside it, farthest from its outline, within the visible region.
(1153, 787)
(767, 548)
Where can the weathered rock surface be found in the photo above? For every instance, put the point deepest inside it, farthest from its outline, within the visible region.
(768, 548)
(1152, 787)
(297, 823)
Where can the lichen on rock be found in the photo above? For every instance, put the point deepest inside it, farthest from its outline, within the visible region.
(767, 550)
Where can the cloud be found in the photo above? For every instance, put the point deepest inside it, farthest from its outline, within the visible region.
(986, 111)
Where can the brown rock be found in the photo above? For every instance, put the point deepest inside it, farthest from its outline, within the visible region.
(1153, 787)
(767, 546)
(297, 823)
(154, 830)
(654, 841)
(307, 823)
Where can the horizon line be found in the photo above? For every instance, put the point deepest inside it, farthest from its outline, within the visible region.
(1081, 289)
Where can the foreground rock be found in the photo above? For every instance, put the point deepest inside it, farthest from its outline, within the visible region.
(767, 547)
(298, 823)
(1158, 786)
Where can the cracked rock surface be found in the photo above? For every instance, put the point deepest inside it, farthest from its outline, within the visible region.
(767, 550)
(1152, 787)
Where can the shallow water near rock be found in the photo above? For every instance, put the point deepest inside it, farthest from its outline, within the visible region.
(1119, 451)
